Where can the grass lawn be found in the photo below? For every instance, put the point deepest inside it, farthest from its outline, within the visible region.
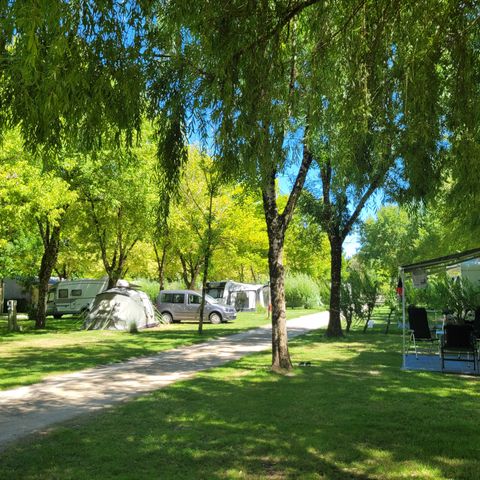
(352, 414)
(30, 356)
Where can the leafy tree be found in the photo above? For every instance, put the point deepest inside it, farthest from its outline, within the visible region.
(307, 249)
(242, 253)
(35, 199)
(357, 87)
(347, 303)
(359, 294)
(115, 188)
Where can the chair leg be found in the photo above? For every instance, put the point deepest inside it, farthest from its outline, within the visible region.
(415, 347)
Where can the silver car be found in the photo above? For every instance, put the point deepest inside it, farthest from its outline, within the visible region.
(178, 305)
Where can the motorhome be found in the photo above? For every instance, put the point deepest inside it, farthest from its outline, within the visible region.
(73, 296)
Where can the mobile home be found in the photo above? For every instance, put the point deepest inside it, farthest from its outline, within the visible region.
(73, 296)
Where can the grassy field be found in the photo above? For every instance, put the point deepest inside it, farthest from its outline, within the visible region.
(30, 356)
(352, 414)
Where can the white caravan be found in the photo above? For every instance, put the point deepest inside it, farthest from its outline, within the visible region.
(73, 296)
(242, 296)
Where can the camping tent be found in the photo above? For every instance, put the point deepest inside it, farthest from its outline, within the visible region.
(419, 273)
(121, 308)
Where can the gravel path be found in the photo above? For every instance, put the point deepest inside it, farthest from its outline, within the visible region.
(37, 407)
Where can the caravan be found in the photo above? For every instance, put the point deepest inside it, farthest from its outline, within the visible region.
(73, 296)
(243, 296)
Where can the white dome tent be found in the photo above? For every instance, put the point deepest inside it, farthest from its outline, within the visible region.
(121, 308)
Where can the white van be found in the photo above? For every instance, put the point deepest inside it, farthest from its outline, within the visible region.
(73, 296)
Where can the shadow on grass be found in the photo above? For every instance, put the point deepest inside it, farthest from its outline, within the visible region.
(27, 364)
(30, 364)
(351, 415)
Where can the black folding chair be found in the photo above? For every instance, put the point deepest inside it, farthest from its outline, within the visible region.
(460, 342)
(419, 329)
(476, 324)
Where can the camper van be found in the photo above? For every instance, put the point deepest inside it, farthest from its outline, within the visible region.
(73, 296)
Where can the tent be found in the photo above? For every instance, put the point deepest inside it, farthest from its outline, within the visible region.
(242, 296)
(120, 308)
(419, 272)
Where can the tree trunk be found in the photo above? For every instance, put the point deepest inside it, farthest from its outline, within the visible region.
(254, 277)
(280, 354)
(204, 290)
(369, 316)
(49, 258)
(387, 328)
(161, 260)
(190, 272)
(348, 320)
(277, 225)
(208, 252)
(114, 276)
(334, 325)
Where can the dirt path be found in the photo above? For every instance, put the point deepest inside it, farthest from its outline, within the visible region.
(37, 407)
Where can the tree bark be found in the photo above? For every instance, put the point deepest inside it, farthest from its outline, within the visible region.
(114, 276)
(161, 260)
(190, 272)
(51, 242)
(277, 224)
(387, 328)
(334, 325)
(280, 354)
(208, 252)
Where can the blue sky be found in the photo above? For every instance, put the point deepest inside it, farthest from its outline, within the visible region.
(352, 242)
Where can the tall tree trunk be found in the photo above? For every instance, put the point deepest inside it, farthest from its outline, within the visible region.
(254, 277)
(208, 251)
(277, 225)
(280, 354)
(204, 288)
(392, 309)
(51, 243)
(334, 325)
(161, 260)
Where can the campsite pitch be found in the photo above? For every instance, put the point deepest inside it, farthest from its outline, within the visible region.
(35, 408)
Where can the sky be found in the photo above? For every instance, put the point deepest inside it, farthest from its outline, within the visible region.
(352, 242)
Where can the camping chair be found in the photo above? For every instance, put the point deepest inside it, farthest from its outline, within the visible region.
(460, 341)
(419, 329)
(476, 324)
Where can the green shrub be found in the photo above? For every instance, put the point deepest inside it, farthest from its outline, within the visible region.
(132, 327)
(175, 285)
(150, 287)
(301, 291)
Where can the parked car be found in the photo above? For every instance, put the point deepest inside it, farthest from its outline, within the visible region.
(73, 296)
(178, 305)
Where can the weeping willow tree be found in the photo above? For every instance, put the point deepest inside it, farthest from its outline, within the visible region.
(363, 91)
(368, 92)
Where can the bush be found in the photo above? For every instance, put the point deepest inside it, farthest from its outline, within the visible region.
(175, 285)
(132, 327)
(150, 287)
(301, 291)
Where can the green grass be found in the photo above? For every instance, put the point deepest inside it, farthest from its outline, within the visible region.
(353, 414)
(30, 356)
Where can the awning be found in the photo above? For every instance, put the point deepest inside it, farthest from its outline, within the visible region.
(445, 261)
